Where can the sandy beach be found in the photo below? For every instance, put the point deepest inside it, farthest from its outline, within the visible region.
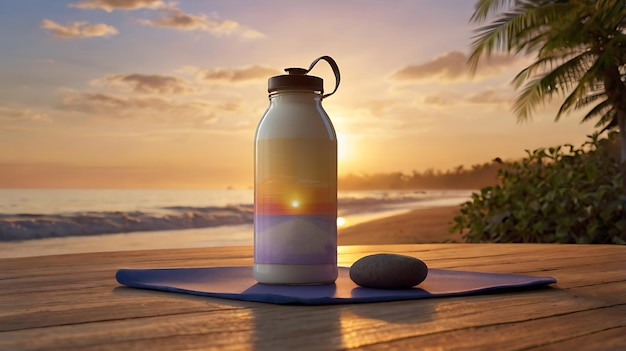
(428, 225)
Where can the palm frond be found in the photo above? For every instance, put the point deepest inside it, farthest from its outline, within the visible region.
(543, 35)
(609, 121)
(584, 86)
(531, 97)
(520, 29)
(601, 110)
(607, 118)
(559, 80)
(485, 8)
(576, 42)
(615, 48)
(576, 66)
(494, 37)
(571, 100)
(589, 99)
(611, 13)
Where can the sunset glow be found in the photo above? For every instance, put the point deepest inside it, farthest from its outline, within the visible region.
(345, 149)
(159, 94)
(341, 221)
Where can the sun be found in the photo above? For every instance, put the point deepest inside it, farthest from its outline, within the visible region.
(341, 221)
(344, 149)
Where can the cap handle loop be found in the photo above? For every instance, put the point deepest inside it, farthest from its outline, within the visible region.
(335, 68)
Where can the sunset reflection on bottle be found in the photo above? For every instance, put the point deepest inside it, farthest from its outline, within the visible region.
(295, 191)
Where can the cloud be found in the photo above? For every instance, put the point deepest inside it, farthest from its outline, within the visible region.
(110, 5)
(100, 102)
(385, 106)
(440, 100)
(13, 114)
(449, 66)
(78, 29)
(173, 17)
(489, 96)
(151, 108)
(452, 66)
(383, 117)
(176, 18)
(236, 75)
(147, 83)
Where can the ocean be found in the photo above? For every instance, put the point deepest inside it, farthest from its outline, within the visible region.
(50, 221)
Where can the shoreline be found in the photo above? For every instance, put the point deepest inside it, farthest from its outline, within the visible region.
(418, 226)
(422, 225)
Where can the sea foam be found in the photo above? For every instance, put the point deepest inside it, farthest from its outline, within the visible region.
(28, 226)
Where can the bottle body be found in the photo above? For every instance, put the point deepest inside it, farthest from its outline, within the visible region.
(295, 195)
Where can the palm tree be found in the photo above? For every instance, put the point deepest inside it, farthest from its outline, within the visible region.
(580, 48)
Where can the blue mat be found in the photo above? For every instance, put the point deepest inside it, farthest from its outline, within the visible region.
(237, 283)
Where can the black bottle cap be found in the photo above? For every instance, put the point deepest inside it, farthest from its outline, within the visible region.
(296, 79)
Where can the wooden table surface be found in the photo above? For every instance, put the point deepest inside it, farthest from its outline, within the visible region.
(72, 302)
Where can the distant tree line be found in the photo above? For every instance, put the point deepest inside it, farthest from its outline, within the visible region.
(475, 177)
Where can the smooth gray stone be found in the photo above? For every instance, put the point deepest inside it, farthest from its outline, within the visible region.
(388, 271)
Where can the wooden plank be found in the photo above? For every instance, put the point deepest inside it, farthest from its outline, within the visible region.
(440, 254)
(76, 282)
(70, 275)
(521, 334)
(381, 325)
(38, 311)
(379, 322)
(609, 339)
(56, 289)
(215, 256)
(465, 314)
(232, 325)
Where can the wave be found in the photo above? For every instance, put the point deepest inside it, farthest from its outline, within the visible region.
(15, 227)
(28, 226)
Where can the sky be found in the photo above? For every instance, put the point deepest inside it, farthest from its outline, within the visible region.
(167, 94)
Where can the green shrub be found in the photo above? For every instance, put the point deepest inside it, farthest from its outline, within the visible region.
(558, 195)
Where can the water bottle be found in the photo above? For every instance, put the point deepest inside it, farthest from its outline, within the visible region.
(295, 182)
